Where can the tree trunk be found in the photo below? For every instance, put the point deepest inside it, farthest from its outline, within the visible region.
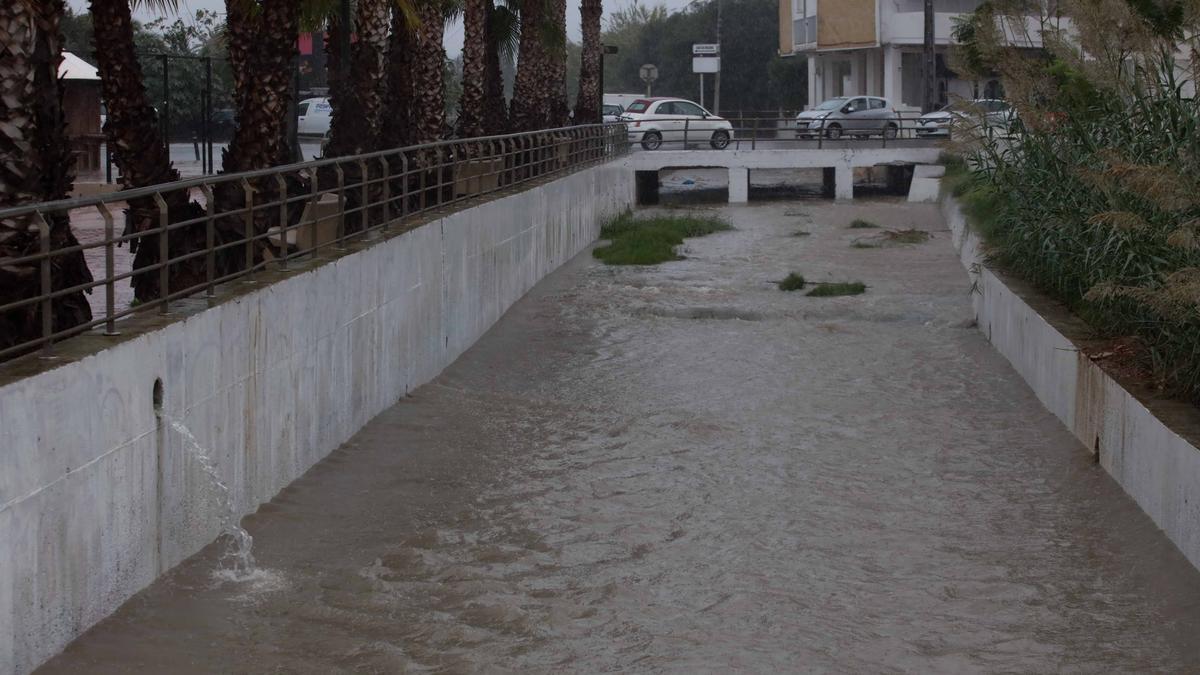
(35, 166)
(429, 106)
(495, 111)
(587, 101)
(357, 107)
(475, 21)
(559, 110)
(528, 111)
(137, 147)
(397, 122)
(261, 41)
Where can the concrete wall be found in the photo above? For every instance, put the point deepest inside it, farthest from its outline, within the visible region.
(1148, 445)
(98, 497)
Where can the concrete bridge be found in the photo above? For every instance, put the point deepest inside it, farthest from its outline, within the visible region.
(839, 159)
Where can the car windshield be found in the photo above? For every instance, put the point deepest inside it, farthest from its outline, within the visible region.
(612, 110)
(832, 104)
(638, 106)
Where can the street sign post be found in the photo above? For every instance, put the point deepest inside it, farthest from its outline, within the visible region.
(706, 58)
(648, 73)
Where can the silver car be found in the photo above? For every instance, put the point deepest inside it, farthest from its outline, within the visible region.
(849, 115)
(985, 113)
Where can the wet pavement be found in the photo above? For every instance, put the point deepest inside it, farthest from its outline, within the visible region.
(684, 469)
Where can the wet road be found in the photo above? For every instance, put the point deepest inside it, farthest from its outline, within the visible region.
(683, 469)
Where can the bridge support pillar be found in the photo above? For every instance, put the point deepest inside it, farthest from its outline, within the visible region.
(739, 185)
(843, 183)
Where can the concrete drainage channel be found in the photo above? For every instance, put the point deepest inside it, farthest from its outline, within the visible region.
(1148, 445)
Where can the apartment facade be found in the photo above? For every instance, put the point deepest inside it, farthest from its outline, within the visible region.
(874, 47)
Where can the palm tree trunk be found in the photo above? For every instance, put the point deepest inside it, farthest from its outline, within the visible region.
(495, 112)
(397, 122)
(429, 108)
(528, 112)
(558, 109)
(261, 41)
(357, 107)
(587, 101)
(35, 165)
(476, 16)
(137, 146)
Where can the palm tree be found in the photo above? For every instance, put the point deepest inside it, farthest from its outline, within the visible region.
(528, 108)
(35, 165)
(138, 148)
(558, 109)
(587, 101)
(476, 16)
(429, 108)
(397, 123)
(358, 106)
(261, 40)
(502, 36)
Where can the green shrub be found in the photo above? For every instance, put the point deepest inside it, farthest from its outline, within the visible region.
(792, 282)
(651, 240)
(860, 224)
(832, 290)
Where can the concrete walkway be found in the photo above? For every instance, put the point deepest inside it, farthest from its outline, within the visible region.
(684, 469)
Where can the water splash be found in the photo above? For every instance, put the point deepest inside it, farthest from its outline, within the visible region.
(237, 562)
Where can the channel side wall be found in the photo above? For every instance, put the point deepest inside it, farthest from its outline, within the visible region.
(99, 495)
(1147, 444)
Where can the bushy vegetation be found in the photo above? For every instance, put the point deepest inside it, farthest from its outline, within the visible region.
(860, 224)
(835, 289)
(652, 240)
(1096, 196)
(792, 282)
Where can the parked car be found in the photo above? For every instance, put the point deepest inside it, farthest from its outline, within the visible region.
(611, 112)
(853, 115)
(315, 115)
(654, 121)
(991, 112)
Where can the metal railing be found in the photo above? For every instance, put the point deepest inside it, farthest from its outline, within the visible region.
(903, 129)
(237, 224)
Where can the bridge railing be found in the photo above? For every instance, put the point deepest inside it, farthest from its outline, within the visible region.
(188, 237)
(891, 129)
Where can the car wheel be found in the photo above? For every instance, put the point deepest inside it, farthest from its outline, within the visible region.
(652, 140)
(720, 139)
(834, 132)
(890, 131)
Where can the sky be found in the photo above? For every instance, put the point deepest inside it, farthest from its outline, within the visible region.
(454, 32)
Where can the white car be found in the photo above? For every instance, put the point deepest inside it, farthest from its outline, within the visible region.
(315, 115)
(991, 112)
(654, 121)
(611, 112)
(849, 116)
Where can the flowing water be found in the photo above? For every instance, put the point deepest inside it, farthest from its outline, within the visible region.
(683, 469)
(237, 561)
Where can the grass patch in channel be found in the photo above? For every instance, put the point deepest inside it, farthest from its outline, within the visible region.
(792, 282)
(651, 240)
(860, 224)
(865, 243)
(801, 233)
(833, 290)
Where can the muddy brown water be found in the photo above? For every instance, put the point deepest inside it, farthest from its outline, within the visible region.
(683, 469)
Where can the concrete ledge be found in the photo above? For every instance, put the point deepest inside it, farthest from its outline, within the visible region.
(98, 496)
(1148, 444)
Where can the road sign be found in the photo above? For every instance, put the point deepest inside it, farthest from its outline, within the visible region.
(706, 49)
(706, 64)
(648, 73)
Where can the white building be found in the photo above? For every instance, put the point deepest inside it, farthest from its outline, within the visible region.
(874, 47)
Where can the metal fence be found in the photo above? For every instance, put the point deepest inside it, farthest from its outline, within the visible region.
(234, 225)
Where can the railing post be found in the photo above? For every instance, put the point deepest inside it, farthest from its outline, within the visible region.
(685, 133)
(365, 211)
(164, 254)
(248, 191)
(341, 223)
(110, 290)
(386, 164)
(210, 241)
(754, 135)
(46, 282)
(281, 184)
(403, 187)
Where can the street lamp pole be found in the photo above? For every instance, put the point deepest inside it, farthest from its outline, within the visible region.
(717, 76)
